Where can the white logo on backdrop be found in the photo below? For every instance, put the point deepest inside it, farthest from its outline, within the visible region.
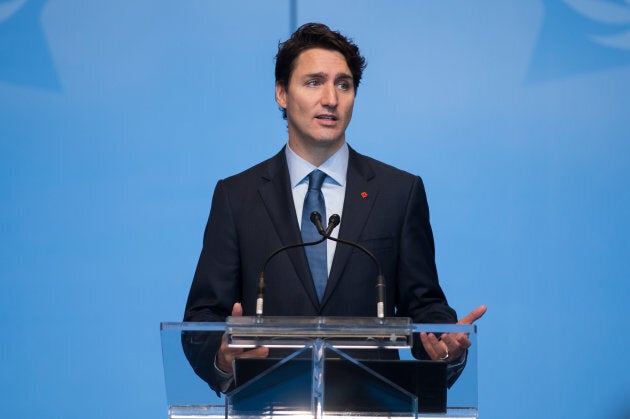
(579, 37)
(606, 13)
(24, 51)
(8, 8)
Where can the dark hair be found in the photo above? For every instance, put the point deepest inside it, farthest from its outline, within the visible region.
(316, 35)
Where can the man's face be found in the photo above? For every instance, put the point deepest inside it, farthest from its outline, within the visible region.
(318, 100)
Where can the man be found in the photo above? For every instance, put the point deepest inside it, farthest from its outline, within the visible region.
(266, 207)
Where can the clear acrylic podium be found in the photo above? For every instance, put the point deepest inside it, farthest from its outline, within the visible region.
(318, 375)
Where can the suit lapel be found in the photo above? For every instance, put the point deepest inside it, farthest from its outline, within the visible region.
(275, 191)
(360, 196)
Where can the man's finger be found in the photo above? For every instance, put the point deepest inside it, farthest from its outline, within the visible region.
(432, 345)
(428, 347)
(237, 310)
(462, 340)
(474, 315)
(261, 352)
(454, 345)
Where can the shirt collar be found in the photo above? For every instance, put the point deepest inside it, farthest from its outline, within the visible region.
(336, 167)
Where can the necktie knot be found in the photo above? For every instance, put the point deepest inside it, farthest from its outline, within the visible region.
(316, 179)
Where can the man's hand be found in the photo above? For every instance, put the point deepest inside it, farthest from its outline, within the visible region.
(450, 346)
(226, 355)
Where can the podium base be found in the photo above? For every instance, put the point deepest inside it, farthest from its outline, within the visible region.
(219, 412)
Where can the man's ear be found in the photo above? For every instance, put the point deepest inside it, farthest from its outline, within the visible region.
(281, 95)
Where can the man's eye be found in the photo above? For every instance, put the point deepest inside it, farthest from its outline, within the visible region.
(312, 83)
(345, 85)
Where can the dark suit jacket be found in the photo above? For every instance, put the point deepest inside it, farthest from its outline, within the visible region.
(253, 214)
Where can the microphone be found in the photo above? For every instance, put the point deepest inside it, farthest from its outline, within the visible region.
(333, 222)
(316, 219)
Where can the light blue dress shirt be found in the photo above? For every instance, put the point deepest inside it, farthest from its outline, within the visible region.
(334, 187)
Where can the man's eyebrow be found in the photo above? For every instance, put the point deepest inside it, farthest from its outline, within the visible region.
(322, 75)
(319, 75)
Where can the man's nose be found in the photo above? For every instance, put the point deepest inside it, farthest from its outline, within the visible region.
(329, 95)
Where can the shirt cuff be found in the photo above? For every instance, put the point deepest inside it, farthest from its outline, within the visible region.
(225, 379)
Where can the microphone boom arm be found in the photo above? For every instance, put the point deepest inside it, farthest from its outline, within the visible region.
(380, 279)
(261, 277)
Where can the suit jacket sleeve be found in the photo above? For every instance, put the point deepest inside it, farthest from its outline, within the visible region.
(419, 294)
(215, 288)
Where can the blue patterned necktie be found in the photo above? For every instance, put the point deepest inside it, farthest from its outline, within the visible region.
(316, 255)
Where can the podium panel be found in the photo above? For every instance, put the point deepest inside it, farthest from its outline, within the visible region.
(291, 385)
(324, 371)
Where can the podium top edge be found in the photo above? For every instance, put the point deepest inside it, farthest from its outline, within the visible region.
(361, 322)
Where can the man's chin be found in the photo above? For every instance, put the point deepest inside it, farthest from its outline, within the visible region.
(325, 142)
(328, 143)
(329, 138)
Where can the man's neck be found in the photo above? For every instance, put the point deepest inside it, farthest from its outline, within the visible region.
(315, 155)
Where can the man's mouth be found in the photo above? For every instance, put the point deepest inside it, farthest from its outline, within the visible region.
(327, 117)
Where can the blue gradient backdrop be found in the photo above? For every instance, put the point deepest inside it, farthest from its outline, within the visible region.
(117, 118)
